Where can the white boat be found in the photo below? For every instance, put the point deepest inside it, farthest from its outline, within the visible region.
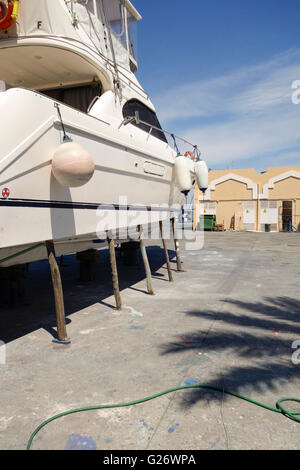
(82, 151)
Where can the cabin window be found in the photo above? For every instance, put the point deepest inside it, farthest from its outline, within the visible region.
(79, 97)
(146, 115)
(132, 35)
(123, 22)
(115, 12)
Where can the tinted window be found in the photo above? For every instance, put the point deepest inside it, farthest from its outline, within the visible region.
(146, 115)
(78, 97)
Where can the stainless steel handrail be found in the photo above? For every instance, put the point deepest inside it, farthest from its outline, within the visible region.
(136, 118)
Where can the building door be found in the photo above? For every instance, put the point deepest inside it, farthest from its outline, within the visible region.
(269, 216)
(249, 214)
(287, 215)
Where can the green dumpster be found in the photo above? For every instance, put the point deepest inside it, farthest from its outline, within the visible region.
(207, 222)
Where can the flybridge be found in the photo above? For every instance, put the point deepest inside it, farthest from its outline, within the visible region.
(119, 16)
(126, 3)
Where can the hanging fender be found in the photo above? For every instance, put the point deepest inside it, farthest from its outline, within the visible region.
(201, 172)
(11, 15)
(187, 171)
(72, 165)
(184, 173)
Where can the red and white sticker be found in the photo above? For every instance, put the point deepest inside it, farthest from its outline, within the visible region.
(5, 192)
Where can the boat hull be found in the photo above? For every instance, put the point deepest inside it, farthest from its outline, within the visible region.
(133, 182)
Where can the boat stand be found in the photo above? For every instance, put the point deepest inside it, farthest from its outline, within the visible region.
(58, 296)
(166, 252)
(177, 250)
(145, 260)
(114, 271)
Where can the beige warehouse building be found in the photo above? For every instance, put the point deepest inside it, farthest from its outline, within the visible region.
(247, 200)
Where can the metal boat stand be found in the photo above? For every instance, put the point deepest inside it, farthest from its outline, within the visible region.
(177, 250)
(114, 272)
(166, 252)
(62, 337)
(145, 260)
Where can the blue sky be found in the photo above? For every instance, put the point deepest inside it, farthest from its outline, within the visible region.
(220, 73)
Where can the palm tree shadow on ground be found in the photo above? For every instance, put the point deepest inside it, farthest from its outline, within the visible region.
(258, 335)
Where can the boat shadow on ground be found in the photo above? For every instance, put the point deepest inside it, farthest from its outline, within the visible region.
(37, 309)
(248, 352)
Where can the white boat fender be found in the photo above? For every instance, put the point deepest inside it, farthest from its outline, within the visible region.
(72, 165)
(201, 172)
(184, 169)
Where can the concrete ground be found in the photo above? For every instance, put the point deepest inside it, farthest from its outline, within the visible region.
(228, 321)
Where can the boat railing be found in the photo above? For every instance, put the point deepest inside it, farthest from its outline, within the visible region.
(129, 119)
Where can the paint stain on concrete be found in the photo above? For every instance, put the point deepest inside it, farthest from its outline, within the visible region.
(150, 428)
(86, 332)
(190, 382)
(133, 312)
(172, 429)
(78, 442)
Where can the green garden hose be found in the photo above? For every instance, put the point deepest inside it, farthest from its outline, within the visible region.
(279, 408)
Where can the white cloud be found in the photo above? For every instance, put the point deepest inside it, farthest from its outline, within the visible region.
(248, 113)
(270, 91)
(248, 137)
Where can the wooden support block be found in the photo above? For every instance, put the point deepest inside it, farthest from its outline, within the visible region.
(88, 255)
(88, 263)
(129, 251)
(12, 281)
